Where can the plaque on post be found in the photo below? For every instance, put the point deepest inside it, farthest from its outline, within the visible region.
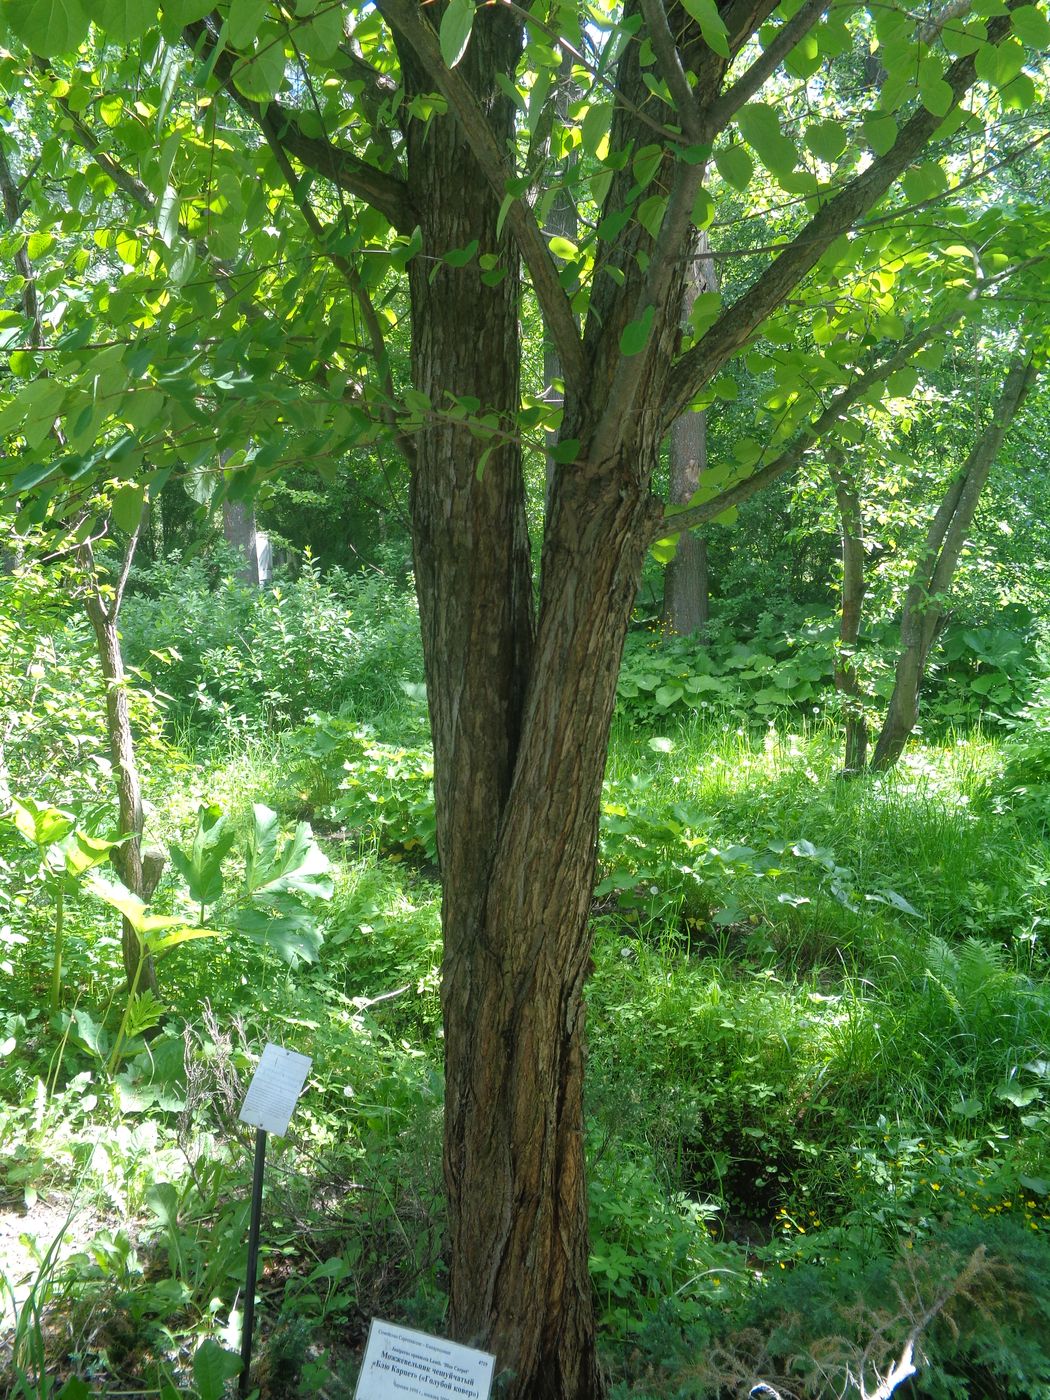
(268, 1107)
(402, 1364)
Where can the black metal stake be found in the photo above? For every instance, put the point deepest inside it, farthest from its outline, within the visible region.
(253, 1260)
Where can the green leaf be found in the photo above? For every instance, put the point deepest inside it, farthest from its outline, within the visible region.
(37, 244)
(160, 944)
(563, 247)
(712, 25)
(40, 825)
(261, 76)
(47, 27)
(651, 214)
(636, 333)
(127, 507)
(704, 311)
(937, 95)
(826, 139)
(320, 36)
(202, 868)
(924, 181)
(760, 127)
(179, 13)
(81, 852)
(460, 257)
(285, 927)
(454, 33)
(301, 867)
(123, 21)
(1013, 1093)
(74, 1389)
(163, 1200)
(1031, 26)
(646, 163)
(119, 897)
(703, 209)
(168, 216)
(564, 453)
(594, 131)
(735, 166)
(668, 695)
(244, 21)
(880, 132)
(212, 1368)
(88, 1033)
(663, 551)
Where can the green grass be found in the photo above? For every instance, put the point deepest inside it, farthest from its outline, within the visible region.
(818, 1021)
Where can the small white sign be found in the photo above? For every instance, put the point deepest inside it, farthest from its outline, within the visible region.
(276, 1085)
(400, 1363)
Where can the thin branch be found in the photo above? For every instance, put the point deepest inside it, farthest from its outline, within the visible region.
(600, 77)
(14, 207)
(384, 192)
(724, 108)
(832, 415)
(954, 9)
(736, 325)
(671, 69)
(125, 569)
(406, 17)
(352, 278)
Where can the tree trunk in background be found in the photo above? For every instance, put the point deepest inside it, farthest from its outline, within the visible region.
(847, 684)
(238, 525)
(931, 578)
(127, 858)
(686, 609)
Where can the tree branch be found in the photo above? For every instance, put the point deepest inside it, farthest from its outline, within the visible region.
(384, 192)
(353, 281)
(724, 108)
(14, 205)
(736, 325)
(671, 69)
(406, 17)
(836, 410)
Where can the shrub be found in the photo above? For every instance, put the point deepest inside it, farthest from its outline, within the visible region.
(236, 658)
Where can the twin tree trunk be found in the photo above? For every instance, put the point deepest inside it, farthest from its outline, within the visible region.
(510, 981)
(520, 711)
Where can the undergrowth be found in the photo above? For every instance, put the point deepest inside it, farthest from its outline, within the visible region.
(818, 1115)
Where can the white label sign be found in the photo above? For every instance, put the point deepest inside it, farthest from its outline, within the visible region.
(276, 1085)
(400, 1363)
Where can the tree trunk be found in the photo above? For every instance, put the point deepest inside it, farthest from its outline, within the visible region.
(854, 585)
(686, 610)
(128, 857)
(238, 525)
(516, 1198)
(931, 578)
